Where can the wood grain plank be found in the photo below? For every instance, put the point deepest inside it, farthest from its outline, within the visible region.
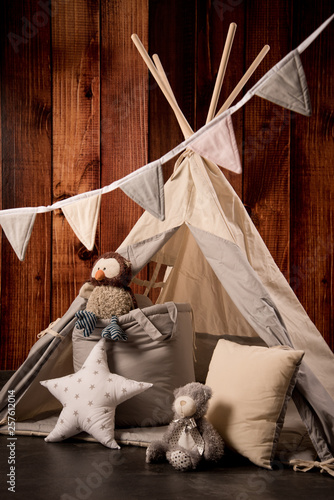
(267, 132)
(76, 139)
(173, 38)
(312, 187)
(124, 120)
(213, 21)
(26, 173)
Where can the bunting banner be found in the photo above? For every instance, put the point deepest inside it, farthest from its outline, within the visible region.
(284, 84)
(147, 191)
(82, 216)
(220, 146)
(18, 229)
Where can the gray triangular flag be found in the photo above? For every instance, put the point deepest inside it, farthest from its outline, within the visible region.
(82, 216)
(18, 229)
(147, 189)
(287, 86)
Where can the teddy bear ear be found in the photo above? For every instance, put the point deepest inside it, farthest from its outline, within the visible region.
(176, 392)
(207, 391)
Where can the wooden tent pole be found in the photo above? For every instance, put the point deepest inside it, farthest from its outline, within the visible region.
(244, 79)
(186, 129)
(221, 71)
(160, 77)
(163, 75)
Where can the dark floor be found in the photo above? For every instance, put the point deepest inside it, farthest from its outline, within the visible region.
(82, 470)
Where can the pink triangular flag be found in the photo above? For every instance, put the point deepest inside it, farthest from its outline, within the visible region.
(18, 229)
(219, 145)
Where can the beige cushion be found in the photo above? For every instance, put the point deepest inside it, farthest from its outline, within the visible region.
(205, 345)
(251, 388)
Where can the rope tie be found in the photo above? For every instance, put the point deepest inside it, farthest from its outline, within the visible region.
(306, 465)
(49, 330)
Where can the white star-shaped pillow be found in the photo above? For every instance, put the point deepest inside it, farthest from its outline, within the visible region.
(89, 398)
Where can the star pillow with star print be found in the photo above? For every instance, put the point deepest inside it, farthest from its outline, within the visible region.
(89, 398)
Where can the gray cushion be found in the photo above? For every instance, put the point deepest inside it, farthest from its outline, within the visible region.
(158, 350)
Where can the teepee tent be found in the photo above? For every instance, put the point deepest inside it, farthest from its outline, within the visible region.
(216, 261)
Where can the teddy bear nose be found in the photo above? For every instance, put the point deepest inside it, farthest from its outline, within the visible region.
(99, 275)
(182, 403)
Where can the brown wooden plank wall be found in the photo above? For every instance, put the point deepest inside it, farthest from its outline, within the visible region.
(26, 107)
(124, 113)
(75, 135)
(267, 133)
(312, 184)
(78, 111)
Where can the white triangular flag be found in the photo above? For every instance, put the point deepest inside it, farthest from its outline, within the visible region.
(219, 145)
(147, 189)
(287, 86)
(82, 216)
(18, 229)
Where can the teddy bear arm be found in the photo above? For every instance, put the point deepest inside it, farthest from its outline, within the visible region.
(156, 451)
(213, 443)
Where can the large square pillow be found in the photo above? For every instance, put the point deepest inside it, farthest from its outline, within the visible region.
(251, 387)
(205, 345)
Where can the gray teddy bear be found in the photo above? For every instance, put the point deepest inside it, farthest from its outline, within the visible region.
(189, 438)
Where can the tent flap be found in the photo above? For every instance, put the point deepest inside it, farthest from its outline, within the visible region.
(38, 356)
